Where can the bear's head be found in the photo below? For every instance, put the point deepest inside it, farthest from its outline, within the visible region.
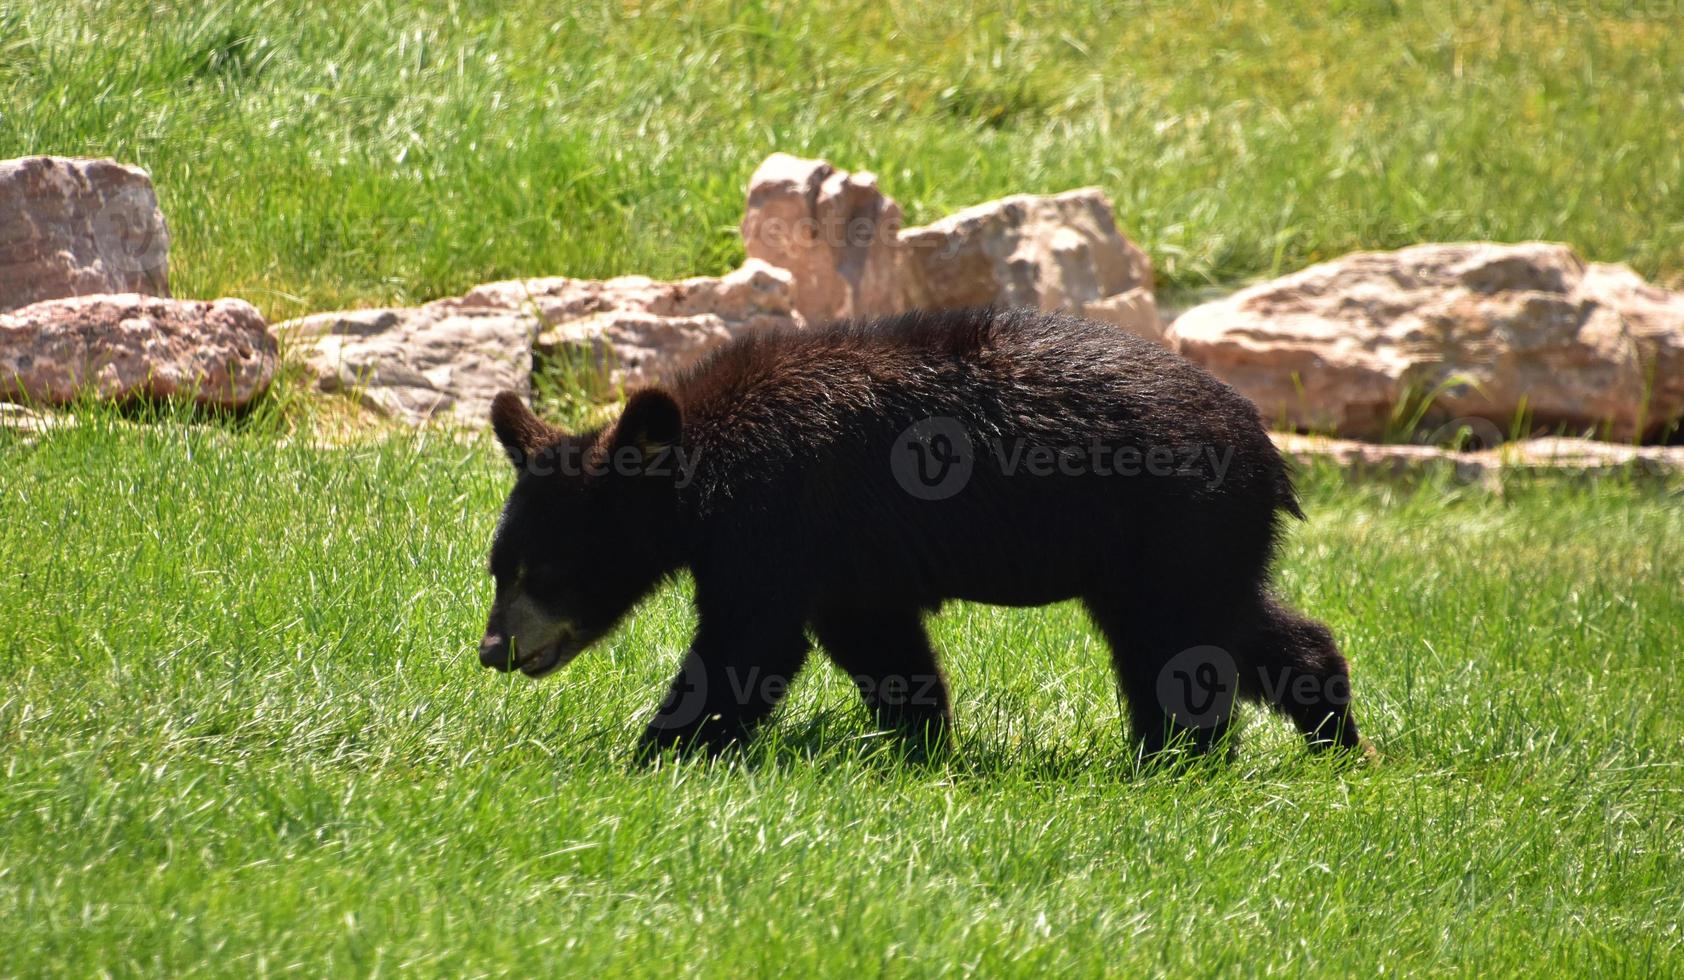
(589, 529)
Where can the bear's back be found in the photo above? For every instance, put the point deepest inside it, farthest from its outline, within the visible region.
(782, 398)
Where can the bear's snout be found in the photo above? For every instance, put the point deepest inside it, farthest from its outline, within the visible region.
(494, 652)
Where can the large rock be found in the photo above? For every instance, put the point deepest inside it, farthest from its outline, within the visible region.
(441, 360)
(841, 239)
(71, 227)
(132, 346)
(451, 356)
(1061, 251)
(632, 329)
(833, 230)
(1487, 331)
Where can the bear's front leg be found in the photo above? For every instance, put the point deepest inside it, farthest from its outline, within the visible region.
(730, 681)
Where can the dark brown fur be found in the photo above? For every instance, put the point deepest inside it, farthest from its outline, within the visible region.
(793, 519)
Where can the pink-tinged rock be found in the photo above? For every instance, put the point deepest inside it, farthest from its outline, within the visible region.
(129, 346)
(75, 227)
(841, 239)
(451, 357)
(835, 232)
(1488, 331)
(1061, 251)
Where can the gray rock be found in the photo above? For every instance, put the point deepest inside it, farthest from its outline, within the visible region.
(414, 364)
(451, 357)
(634, 329)
(1547, 454)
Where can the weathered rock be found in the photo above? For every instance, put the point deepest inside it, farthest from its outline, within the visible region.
(1486, 331)
(132, 346)
(1135, 311)
(73, 227)
(452, 356)
(415, 364)
(1061, 251)
(633, 328)
(833, 230)
(841, 239)
(1548, 454)
(26, 423)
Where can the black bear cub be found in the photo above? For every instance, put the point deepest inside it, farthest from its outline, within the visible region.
(844, 481)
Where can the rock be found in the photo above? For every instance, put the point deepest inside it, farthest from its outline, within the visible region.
(1551, 454)
(834, 231)
(451, 356)
(1061, 251)
(73, 227)
(1135, 311)
(132, 346)
(26, 423)
(1486, 331)
(632, 329)
(440, 360)
(841, 239)
(1654, 320)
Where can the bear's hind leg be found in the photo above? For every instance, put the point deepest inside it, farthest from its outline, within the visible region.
(1173, 665)
(889, 656)
(1293, 665)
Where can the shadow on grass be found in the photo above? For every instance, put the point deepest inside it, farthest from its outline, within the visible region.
(840, 741)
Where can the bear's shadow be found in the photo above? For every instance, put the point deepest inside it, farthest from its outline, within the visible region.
(831, 740)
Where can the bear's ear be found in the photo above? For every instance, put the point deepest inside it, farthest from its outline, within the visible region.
(521, 432)
(652, 421)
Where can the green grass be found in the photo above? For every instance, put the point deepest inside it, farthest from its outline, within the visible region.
(241, 723)
(316, 156)
(243, 732)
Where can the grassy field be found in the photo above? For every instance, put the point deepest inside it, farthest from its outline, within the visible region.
(242, 727)
(244, 732)
(314, 156)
